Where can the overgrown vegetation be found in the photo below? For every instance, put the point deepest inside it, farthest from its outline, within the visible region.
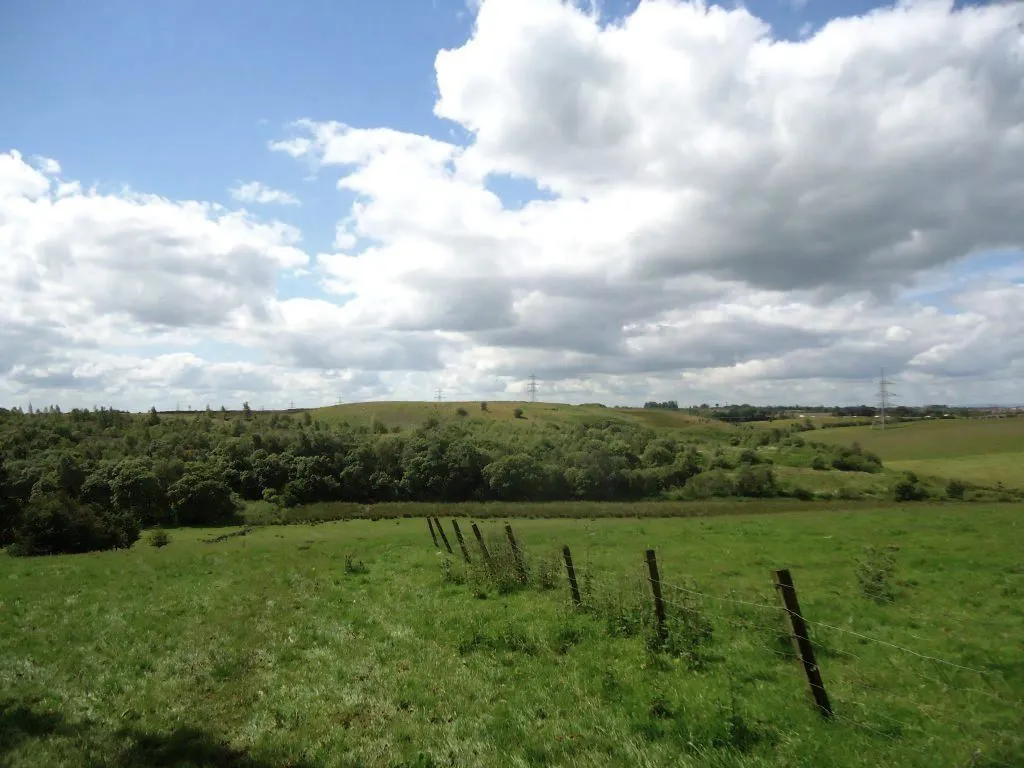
(88, 479)
(875, 571)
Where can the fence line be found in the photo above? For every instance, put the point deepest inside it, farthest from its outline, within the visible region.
(751, 622)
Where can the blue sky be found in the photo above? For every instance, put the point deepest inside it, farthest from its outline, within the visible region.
(180, 99)
(183, 100)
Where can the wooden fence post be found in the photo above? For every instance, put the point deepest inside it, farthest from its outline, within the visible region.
(483, 547)
(659, 602)
(443, 537)
(432, 534)
(516, 552)
(801, 642)
(571, 571)
(462, 541)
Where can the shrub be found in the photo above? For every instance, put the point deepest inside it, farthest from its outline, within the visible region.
(53, 524)
(801, 493)
(353, 566)
(199, 497)
(483, 406)
(517, 413)
(517, 477)
(714, 482)
(749, 456)
(546, 571)
(758, 482)
(955, 490)
(909, 489)
(856, 460)
(819, 462)
(159, 538)
(460, 411)
(451, 573)
(689, 632)
(874, 574)
(625, 608)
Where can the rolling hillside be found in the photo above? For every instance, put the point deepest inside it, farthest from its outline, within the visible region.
(985, 451)
(410, 414)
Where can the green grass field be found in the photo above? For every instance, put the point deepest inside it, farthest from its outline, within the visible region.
(413, 414)
(983, 451)
(262, 650)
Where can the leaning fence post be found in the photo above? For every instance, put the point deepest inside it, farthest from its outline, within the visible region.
(801, 642)
(432, 534)
(571, 571)
(443, 537)
(462, 541)
(659, 603)
(483, 547)
(516, 552)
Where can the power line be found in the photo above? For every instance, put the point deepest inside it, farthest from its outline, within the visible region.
(532, 388)
(439, 395)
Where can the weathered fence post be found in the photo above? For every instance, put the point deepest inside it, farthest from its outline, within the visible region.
(571, 571)
(432, 534)
(462, 541)
(483, 547)
(801, 641)
(443, 537)
(659, 602)
(516, 552)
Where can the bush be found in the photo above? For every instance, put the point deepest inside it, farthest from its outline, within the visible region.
(159, 538)
(689, 632)
(955, 490)
(517, 413)
(199, 497)
(819, 462)
(909, 489)
(856, 460)
(801, 493)
(749, 456)
(353, 566)
(517, 477)
(460, 411)
(758, 482)
(874, 574)
(714, 482)
(546, 572)
(53, 524)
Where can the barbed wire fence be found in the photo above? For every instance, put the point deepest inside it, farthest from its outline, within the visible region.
(877, 689)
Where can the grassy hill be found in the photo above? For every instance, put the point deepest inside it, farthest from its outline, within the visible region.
(984, 451)
(411, 414)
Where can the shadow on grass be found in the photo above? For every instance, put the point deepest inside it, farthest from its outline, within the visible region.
(20, 722)
(185, 747)
(190, 747)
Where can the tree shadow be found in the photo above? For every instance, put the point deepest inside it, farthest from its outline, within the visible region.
(189, 747)
(184, 747)
(20, 722)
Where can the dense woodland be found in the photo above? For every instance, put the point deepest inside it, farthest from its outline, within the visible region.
(87, 480)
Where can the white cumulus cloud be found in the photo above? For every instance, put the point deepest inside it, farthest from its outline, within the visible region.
(721, 215)
(258, 192)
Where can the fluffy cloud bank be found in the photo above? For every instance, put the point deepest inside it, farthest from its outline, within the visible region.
(721, 215)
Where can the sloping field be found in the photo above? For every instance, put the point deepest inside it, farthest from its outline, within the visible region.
(267, 650)
(984, 451)
(939, 439)
(412, 414)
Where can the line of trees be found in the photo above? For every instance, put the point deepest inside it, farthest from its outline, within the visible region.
(91, 479)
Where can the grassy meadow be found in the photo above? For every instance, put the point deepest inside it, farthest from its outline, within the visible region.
(266, 649)
(412, 414)
(982, 451)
